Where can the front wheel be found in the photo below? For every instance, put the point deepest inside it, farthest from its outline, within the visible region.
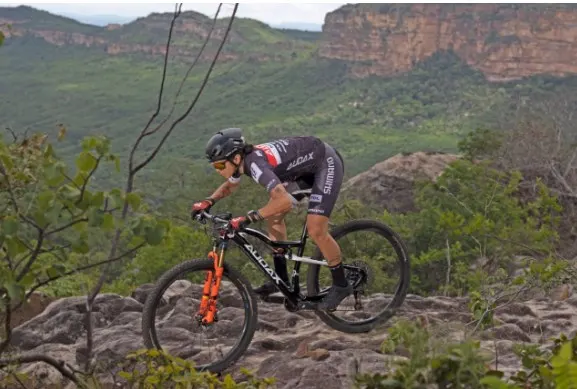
(169, 319)
(377, 266)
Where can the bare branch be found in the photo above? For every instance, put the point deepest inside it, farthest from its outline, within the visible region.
(159, 146)
(67, 225)
(177, 12)
(143, 133)
(561, 179)
(9, 188)
(81, 268)
(448, 277)
(15, 376)
(187, 74)
(83, 189)
(494, 301)
(7, 324)
(71, 180)
(58, 365)
(570, 166)
(14, 136)
(89, 332)
(33, 257)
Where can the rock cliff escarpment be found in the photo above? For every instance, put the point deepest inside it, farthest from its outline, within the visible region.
(503, 41)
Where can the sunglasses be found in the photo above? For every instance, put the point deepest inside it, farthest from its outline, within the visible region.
(219, 165)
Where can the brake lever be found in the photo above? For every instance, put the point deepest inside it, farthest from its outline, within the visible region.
(200, 219)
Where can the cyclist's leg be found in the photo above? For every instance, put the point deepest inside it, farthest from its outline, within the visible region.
(276, 229)
(323, 197)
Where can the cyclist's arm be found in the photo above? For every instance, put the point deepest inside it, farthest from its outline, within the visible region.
(226, 189)
(279, 203)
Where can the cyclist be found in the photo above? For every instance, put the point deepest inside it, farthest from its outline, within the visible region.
(299, 162)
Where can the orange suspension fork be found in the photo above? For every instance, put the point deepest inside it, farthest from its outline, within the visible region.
(211, 288)
(206, 290)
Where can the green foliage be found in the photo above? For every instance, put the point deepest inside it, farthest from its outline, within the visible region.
(482, 310)
(480, 143)
(471, 215)
(149, 263)
(161, 370)
(431, 361)
(155, 369)
(427, 360)
(53, 222)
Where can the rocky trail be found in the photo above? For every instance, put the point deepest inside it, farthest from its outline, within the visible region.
(296, 348)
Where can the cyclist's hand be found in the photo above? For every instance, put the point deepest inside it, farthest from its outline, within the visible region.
(243, 221)
(239, 222)
(200, 206)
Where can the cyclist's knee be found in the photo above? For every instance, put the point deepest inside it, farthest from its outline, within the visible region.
(317, 227)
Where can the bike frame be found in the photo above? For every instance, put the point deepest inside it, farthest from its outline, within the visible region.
(293, 295)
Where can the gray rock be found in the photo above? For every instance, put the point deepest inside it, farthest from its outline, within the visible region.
(296, 348)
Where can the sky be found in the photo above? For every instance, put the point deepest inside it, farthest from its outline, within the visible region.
(269, 13)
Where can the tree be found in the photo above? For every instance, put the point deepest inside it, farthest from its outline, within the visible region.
(50, 215)
(541, 142)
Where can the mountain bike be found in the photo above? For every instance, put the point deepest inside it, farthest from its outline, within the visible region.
(202, 313)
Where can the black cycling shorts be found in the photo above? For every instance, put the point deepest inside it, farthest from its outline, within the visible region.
(324, 184)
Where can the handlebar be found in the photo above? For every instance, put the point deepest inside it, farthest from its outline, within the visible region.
(214, 218)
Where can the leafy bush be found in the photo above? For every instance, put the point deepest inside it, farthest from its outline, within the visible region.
(52, 222)
(433, 362)
(161, 370)
(472, 216)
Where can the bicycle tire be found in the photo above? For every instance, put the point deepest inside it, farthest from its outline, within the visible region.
(403, 260)
(243, 285)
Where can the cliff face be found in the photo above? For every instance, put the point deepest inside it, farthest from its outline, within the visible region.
(504, 41)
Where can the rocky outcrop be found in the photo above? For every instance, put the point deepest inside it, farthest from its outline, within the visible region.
(147, 35)
(504, 41)
(390, 184)
(296, 348)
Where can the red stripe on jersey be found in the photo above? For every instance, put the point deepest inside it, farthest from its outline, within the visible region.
(269, 154)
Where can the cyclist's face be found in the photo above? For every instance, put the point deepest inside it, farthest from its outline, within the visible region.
(224, 168)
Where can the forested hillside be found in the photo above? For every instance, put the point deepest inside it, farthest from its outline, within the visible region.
(274, 83)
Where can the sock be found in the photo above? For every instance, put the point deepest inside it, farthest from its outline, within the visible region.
(280, 266)
(338, 273)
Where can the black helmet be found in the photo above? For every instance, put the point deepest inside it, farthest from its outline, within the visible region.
(224, 144)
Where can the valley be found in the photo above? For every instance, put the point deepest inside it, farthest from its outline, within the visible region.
(270, 82)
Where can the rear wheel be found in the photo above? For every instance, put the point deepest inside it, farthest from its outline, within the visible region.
(377, 266)
(169, 322)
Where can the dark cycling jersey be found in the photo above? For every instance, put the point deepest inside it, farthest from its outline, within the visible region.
(303, 159)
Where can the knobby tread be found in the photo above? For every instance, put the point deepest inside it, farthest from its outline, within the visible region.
(234, 276)
(398, 299)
